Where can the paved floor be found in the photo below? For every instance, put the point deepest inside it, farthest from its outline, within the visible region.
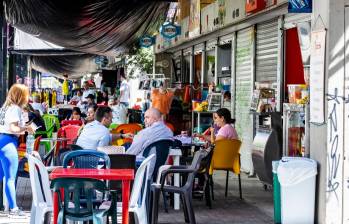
(255, 208)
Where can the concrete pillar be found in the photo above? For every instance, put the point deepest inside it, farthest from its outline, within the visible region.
(327, 141)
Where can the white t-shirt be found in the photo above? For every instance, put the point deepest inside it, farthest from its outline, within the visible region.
(119, 114)
(8, 115)
(93, 135)
(125, 89)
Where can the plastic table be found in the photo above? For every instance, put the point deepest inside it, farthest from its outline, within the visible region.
(125, 175)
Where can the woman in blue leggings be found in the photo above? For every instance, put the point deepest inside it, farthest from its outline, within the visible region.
(11, 126)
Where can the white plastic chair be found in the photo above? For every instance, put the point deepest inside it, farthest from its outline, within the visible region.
(42, 196)
(138, 194)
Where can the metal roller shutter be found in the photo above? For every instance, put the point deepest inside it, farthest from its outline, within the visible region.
(267, 52)
(243, 91)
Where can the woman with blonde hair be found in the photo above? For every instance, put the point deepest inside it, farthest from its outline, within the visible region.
(12, 125)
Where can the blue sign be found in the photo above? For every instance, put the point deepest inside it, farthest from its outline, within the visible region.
(300, 6)
(146, 41)
(170, 30)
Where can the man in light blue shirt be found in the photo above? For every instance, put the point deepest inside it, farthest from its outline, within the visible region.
(96, 133)
(155, 130)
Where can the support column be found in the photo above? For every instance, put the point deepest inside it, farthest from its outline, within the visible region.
(327, 140)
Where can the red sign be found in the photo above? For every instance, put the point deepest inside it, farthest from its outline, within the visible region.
(253, 6)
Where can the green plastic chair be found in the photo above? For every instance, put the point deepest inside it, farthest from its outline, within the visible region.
(51, 121)
(72, 208)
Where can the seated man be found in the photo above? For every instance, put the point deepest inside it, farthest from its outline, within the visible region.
(96, 133)
(155, 130)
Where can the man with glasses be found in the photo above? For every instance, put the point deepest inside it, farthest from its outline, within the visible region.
(96, 133)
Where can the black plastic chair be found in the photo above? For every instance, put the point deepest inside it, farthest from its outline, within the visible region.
(71, 207)
(185, 191)
(119, 161)
(161, 148)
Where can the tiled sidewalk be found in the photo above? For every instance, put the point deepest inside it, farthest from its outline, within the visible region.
(255, 208)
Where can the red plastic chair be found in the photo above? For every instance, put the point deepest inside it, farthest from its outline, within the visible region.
(71, 122)
(70, 132)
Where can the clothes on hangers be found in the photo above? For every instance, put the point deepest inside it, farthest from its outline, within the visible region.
(162, 100)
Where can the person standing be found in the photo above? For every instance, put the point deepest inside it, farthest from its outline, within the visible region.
(65, 88)
(12, 125)
(124, 91)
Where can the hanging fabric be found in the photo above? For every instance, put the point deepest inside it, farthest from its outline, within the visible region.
(108, 27)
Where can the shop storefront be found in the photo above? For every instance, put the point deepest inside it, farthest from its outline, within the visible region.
(249, 54)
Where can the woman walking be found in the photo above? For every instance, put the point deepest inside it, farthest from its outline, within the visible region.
(12, 125)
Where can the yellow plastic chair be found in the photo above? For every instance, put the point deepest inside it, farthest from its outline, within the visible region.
(226, 156)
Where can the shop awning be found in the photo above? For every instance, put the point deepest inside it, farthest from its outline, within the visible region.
(106, 27)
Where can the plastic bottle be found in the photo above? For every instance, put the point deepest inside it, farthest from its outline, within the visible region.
(30, 143)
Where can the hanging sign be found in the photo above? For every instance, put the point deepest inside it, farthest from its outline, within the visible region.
(170, 30)
(146, 41)
(317, 76)
(300, 6)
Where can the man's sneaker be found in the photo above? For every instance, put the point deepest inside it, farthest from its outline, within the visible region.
(16, 212)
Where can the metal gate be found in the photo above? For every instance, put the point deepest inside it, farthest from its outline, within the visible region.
(243, 92)
(267, 52)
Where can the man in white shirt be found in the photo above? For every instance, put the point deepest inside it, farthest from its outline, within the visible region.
(119, 111)
(37, 105)
(124, 91)
(96, 133)
(87, 91)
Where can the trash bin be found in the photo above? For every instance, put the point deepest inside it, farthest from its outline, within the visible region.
(297, 177)
(277, 199)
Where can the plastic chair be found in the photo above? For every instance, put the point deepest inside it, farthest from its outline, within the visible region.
(88, 159)
(72, 209)
(51, 121)
(226, 156)
(123, 129)
(185, 191)
(23, 168)
(161, 148)
(70, 132)
(71, 122)
(139, 192)
(42, 196)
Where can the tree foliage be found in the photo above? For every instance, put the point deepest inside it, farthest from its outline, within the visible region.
(141, 60)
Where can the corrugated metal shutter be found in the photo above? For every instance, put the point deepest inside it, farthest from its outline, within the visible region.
(243, 91)
(267, 52)
(177, 54)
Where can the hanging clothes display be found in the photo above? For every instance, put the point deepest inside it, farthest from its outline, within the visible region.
(54, 98)
(161, 100)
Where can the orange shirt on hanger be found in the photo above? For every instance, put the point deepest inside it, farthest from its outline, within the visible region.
(162, 100)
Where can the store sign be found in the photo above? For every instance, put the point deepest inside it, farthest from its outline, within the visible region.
(146, 41)
(300, 6)
(170, 30)
(317, 76)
